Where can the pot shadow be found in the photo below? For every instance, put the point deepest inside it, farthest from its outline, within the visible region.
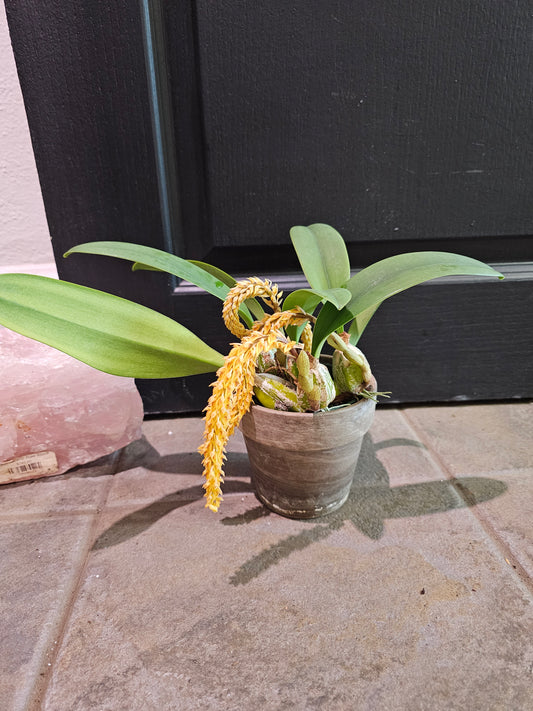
(371, 501)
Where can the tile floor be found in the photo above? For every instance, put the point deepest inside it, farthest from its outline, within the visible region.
(121, 592)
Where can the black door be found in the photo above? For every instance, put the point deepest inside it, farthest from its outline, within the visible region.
(210, 128)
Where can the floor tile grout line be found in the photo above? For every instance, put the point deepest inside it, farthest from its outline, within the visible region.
(94, 509)
(501, 472)
(40, 687)
(46, 515)
(28, 517)
(498, 543)
(87, 509)
(37, 695)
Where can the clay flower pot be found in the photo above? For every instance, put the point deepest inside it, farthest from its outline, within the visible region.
(303, 463)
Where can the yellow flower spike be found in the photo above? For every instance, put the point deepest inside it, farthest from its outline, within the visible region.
(230, 399)
(274, 322)
(248, 289)
(233, 389)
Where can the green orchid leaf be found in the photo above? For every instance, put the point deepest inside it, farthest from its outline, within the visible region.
(294, 332)
(136, 266)
(219, 274)
(309, 299)
(378, 282)
(205, 276)
(214, 271)
(306, 299)
(102, 330)
(359, 324)
(244, 311)
(252, 304)
(322, 254)
(156, 259)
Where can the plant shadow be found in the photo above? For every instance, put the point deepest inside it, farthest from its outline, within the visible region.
(181, 464)
(371, 501)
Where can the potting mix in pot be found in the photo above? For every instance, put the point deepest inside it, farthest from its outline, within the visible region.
(276, 358)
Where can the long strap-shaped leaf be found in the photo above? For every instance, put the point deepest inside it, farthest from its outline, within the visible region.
(372, 285)
(102, 330)
(205, 276)
(251, 305)
(159, 260)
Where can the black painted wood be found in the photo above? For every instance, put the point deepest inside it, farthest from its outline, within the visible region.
(405, 125)
(462, 339)
(81, 68)
(393, 121)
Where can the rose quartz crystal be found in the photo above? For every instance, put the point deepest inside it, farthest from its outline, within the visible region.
(51, 402)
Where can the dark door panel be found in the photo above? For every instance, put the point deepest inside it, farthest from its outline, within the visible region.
(209, 129)
(394, 121)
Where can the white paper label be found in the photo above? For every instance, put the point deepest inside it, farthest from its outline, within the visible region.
(29, 466)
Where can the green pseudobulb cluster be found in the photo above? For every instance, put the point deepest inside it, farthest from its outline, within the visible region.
(299, 382)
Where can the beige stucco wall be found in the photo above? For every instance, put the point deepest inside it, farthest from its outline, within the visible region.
(24, 237)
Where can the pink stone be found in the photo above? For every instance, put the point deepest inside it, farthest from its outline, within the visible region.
(52, 402)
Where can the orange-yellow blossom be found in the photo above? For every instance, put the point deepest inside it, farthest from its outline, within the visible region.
(233, 388)
(230, 399)
(248, 289)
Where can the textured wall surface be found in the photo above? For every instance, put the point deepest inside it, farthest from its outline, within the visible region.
(24, 237)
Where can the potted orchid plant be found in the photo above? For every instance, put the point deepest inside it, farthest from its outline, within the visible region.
(303, 414)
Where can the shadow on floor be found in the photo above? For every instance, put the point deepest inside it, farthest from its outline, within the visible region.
(372, 500)
(143, 454)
